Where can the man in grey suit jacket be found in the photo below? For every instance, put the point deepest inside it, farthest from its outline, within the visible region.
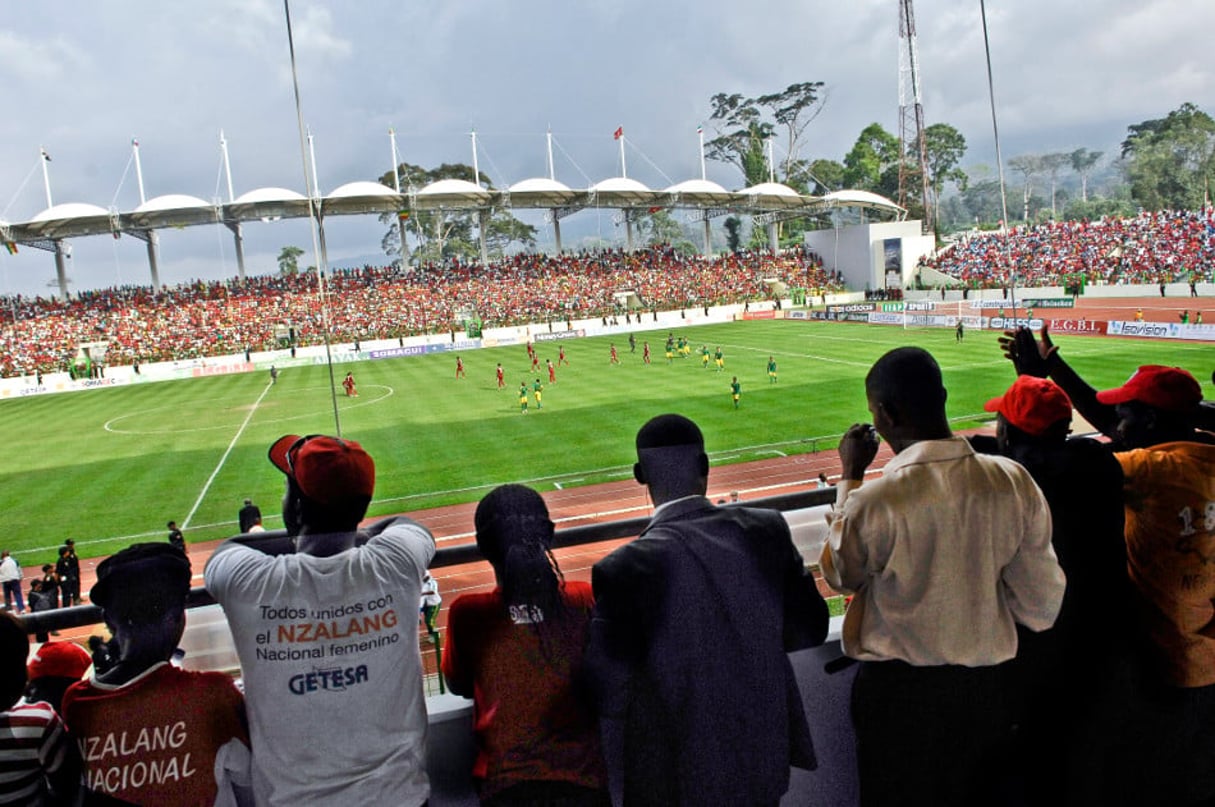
(688, 644)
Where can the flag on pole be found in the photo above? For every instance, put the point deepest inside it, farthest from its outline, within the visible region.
(135, 142)
(616, 135)
(11, 247)
(402, 215)
(700, 130)
(46, 156)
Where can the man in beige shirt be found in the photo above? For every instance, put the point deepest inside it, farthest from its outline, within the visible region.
(944, 554)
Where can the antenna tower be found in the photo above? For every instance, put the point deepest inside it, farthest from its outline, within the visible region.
(911, 115)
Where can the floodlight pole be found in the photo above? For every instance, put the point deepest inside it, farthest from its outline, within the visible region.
(153, 238)
(314, 209)
(235, 226)
(991, 95)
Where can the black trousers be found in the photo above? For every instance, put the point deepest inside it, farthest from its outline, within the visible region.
(929, 735)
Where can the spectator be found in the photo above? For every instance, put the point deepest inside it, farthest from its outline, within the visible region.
(1075, 678)
(176, 539)
(249, 515)
(937, 590)
(50, 584)
(150, 732)
(67, 568)
(517, 651)
(53, 668)
(10, 576)
(39, 602)
(1169, 470)
(704, 599)
(40, 762)
(327, 636)
(429, 606)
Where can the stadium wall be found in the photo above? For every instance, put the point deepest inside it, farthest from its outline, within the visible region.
(862, 253)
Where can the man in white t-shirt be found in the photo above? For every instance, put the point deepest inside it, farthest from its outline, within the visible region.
(327, 637)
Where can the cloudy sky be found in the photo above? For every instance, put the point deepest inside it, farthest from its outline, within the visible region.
(82, 78)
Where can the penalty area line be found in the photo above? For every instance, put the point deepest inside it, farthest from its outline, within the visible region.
(244, 424)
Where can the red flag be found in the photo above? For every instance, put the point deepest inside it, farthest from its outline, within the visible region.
(619, 133)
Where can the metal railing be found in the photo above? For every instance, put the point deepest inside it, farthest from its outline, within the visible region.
(84, 615)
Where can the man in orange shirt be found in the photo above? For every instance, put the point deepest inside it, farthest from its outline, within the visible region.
(1169, 469)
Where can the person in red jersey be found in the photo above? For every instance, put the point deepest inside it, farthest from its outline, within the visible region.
(150, 732)
(459, 367)
(501, 376)
(613, 357)
(517, 651)
(349, 385)
(552, 371)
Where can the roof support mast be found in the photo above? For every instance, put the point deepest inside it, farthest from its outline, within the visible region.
(911, 114)
(153, 238)
(552, 174)
(61, 251)
(234, 226)
(396, 184)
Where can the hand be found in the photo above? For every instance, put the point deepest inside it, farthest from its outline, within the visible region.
(1028, 355)
(857, 450)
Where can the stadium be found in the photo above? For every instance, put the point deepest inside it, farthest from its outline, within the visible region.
(126, 407)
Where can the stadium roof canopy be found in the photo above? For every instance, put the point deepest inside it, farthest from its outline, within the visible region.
(450, 195)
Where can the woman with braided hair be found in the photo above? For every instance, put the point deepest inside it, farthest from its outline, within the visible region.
(517, 652)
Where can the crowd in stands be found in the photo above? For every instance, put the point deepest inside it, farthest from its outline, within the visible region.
(1040, 634)
(224, 317)
(1150, 248)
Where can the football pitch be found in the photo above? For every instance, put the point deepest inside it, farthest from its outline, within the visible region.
(110, 466)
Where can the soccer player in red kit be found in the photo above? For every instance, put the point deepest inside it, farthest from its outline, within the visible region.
(501, 376)
(459, 367)
(552, 371)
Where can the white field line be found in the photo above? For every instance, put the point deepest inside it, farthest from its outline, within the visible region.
(244, 424)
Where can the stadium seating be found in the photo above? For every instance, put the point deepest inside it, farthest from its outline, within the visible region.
(1160, 247)
(200, 319)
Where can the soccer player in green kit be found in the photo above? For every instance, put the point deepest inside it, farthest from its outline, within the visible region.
(772, 369)
(735, 390)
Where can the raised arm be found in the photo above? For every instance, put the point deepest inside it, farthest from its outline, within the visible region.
(1041, 358)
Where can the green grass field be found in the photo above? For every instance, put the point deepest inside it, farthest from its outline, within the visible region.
(110, 466)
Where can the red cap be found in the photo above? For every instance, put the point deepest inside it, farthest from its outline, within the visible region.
(1032, 404)
(60, 660)
(1168, 388)
(326, 469)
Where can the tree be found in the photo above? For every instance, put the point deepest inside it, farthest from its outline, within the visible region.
(660, 227)
(944, 147)
(743, 125)
(288, 260)
(445, 233)
(825, 176)
(733, 225)
(1052, 164)
(1028, 166)
(1083, 162)
(1170, 161)
(873, 153)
